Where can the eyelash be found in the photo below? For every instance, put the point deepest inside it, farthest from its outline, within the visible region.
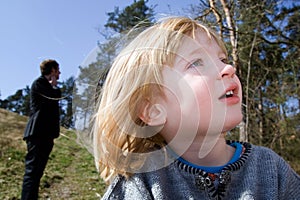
(224, 60)
(198, 61)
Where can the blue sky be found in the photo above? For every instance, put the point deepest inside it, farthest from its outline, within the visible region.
(65, 30)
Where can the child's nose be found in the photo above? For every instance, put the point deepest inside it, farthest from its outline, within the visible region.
(227, 71)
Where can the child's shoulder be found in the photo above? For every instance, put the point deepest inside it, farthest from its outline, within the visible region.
(126, 188)
(265, 156)
(264, 151)
(255, 152)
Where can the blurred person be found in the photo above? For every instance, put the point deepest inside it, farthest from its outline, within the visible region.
(42, 128)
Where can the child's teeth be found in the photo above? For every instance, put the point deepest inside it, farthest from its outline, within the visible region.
(229, 92)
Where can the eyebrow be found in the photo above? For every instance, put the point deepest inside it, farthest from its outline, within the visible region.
(196, 51)
(181, 59)
(200, 51)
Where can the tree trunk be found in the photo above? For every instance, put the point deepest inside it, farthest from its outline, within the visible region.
(261, 118)
(212, 4)
(233, 33)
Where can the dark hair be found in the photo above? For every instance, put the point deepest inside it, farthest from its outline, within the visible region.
(47, 65)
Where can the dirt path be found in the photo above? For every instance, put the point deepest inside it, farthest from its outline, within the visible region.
(79, 179)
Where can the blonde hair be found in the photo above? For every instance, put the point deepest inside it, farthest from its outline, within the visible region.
(135, 78)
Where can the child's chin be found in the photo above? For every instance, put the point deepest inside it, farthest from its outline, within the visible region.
(232, 124)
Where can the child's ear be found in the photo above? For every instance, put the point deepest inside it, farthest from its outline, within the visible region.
(153, 114)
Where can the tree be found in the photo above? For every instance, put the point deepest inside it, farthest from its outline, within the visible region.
(66, 117)
(131, 16)
(18, 103)
(92, 76)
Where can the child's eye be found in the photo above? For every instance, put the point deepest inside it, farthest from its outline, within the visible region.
(196, 63)
(224, 60)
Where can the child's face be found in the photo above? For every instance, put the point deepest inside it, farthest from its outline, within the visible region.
(195, 88)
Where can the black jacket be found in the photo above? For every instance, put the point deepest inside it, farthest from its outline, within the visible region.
(44, 110)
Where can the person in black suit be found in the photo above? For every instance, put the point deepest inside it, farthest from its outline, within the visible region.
(42, 128)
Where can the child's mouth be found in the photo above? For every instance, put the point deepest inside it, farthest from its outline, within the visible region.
(231, 95)
(231, 91)
(227, 94)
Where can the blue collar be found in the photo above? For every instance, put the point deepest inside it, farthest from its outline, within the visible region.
(217, 169)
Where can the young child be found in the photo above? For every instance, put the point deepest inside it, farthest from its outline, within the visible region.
(159, 132)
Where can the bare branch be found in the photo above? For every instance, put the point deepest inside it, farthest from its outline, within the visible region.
(217, 15)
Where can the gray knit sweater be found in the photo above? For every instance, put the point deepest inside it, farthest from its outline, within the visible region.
(259, 174)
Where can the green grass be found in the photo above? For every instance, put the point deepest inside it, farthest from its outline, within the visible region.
(70, 172)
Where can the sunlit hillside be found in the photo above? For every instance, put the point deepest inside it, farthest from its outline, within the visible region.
(70, 173)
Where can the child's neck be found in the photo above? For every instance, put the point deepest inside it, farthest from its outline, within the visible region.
(217, 153)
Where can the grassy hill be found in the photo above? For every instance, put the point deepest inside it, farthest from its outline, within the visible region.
(70, 173)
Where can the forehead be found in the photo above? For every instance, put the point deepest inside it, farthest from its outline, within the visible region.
(201, 43)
